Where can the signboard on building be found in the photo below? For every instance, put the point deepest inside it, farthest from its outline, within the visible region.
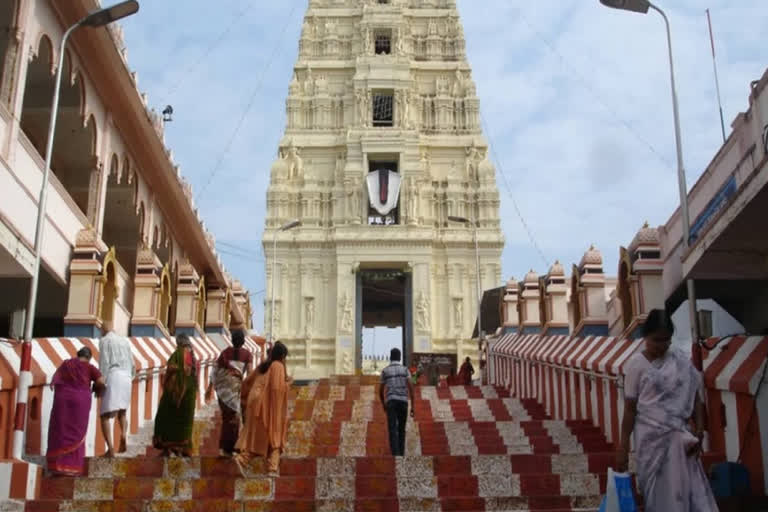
(445, 363)
(717, 203)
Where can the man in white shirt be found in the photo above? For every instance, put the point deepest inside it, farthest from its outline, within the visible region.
(117, 366)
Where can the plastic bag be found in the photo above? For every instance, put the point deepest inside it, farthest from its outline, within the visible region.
(618, 493)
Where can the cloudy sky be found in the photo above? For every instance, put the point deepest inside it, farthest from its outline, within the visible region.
(575, 99)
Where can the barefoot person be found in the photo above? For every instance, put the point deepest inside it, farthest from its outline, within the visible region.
(176, 413)
(661, 390)
(70, 413)
(227, 378)
(265, 411)
(117, 366)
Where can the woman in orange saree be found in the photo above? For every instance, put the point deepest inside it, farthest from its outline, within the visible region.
(264, 403)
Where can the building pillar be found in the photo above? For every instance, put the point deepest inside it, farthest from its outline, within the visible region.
(530, 311)
(243, 301)
(347, 318)
(217, 311)
(555, 302)
(95, 182)
(190, 302)
(86, 286)
(147, 296)
(592, 300)
(511, 307)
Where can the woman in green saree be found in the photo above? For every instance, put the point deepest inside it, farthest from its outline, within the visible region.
(176, 413)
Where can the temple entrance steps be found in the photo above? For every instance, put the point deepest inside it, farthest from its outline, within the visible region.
(468, 449)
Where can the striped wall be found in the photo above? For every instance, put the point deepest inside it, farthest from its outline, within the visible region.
(582, 378)
(150, 356)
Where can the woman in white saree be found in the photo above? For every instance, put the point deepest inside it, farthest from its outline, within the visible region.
(661, 391)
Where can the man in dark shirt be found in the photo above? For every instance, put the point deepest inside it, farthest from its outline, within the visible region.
(394, 391)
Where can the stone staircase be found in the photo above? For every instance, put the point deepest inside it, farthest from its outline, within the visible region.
(468, 449)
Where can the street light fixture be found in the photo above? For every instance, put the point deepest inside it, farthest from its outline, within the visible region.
(642, 6)
(464, 220)
(284, 227)
(95, 19)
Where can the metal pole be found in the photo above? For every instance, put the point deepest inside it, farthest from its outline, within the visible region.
(717, 79)
(686, 220)
(25, 375)
(272, 286)
(479, 287)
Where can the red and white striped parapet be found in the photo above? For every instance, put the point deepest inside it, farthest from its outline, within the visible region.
(582, 378)
(150, 356)
(738, 415)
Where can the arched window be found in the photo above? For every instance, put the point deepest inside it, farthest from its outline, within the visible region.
(201, 304)
(575, 297)
(624, 291)
(164, 308)
(109, 287)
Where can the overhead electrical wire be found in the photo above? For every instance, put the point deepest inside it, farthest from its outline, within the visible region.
(511, 195)
(591, 89)
(238, 18)
(251, 102)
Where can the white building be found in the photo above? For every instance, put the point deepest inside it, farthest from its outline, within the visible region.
(383, 143)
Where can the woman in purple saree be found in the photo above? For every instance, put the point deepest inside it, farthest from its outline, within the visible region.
(661, 391)
(71, 412)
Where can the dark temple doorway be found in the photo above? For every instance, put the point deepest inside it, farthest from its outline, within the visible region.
(383, 316)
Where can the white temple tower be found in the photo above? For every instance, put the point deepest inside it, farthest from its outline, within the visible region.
(383, 143)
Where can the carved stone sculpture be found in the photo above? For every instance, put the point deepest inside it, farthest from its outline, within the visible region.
(458, 312)
(295, 163)
(346, 314)
(474, 157)
(422, 313)
(309, 316)
(413, 201)
(363, 110)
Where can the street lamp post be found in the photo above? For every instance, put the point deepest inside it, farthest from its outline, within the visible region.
(642, 6)
(98, 18)
(284, 227)
(464, 220)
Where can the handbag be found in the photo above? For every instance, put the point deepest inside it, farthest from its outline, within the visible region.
(618, 493)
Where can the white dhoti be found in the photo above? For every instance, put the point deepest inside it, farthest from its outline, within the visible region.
(117, 396)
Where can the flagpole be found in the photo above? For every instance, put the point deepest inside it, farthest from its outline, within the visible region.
(717, 80)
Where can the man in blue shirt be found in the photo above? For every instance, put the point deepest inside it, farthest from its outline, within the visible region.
(395, 389)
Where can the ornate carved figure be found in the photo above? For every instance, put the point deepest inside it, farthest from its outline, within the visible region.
(295, 87)
(401, 100)
(321, 85)
(432, 30)
(363, 99)
(341, 161)
(426, 163)
(422, 313)
(458, 85)
(309, 316)
(309, 83)
(367, 41)
(277, 315)
(458, 312)
(400, 43)
(346, 314)
(413, 201)
(443, 86)
(330, 28)
(474, 157)
(295, 163)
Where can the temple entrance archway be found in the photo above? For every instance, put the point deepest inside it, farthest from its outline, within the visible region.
(384, 299)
